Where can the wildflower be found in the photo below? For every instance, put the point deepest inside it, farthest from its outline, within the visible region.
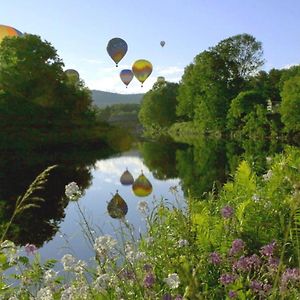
(149, 240)
(178, 297)
(102, 282)
(44, 294)
(172, 281)
(255, 198)
(167, 296)
(215, 258)
(226, 279)
(182, 243)
(290, 276)
(72, 191)
(268, 250)
(104, 244)
(49, 276)
(232, 294)
(68, 262)
(149, 280)
(237, 246)
(273, 263)
(143, 207)
(268, 175)
(10, 251)
(246, 263)
(227, 212)
(30, 249)
(80, 267)
(256, 286)
(147, 267)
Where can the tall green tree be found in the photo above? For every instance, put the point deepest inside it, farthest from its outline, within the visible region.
(158, 107)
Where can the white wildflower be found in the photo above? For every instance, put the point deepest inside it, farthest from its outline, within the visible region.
(268, 175)
(10, 250)
(68, 262)
(143, 207)
(172, 281)
(104, 244)
(182, 243)
(268, 159)
(44, 294)
(102, 282)
(80, 267)
(49, 276)
(72, 191)
(149, 240)
(255, 198)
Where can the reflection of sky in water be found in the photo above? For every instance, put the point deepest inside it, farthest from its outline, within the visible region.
(106, 180)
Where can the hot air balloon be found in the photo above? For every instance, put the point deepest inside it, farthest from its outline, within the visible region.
(127, 178)
(142, 186)
(161, 79)
(117, 207)
(72, 75)
(116, 49)
(8, 31)
(126, 76)
(142, 69)
(162, 43)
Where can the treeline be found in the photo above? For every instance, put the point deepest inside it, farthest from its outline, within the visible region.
(225, 92)
(40, 106)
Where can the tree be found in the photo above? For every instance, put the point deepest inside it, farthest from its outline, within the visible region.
(290, 106)
(158, 107)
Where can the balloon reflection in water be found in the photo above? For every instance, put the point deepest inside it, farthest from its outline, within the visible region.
(117, 207)
(142, 187)
(127, 178)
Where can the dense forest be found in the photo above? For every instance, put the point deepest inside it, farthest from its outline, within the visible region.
(225, 92)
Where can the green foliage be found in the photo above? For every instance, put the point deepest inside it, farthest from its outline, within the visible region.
(158, 106)
(290, 105)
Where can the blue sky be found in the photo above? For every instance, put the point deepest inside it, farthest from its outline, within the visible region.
(80, 31)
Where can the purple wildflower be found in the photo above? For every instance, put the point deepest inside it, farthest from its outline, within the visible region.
(237, 246)
(268, 250)
(227, 212)
(226, 279)
(254, 261)
(178, 297)
(256, 286)
(30, 249)
(147, 267)
(149, 280)
(290, 276)
(167, 297)
(273, 263)
(214, 258)
(242, 265)
(232, 294)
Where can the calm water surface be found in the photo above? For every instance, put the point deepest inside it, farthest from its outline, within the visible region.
(105, 181)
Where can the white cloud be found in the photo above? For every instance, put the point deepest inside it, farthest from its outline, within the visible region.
(172, 70)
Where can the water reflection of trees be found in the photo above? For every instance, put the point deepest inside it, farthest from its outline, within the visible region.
(18, 170)
(203, 163)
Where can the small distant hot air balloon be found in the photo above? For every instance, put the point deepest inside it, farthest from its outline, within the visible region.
(127, 178)
(162, 43)
(142, 186)
(72, 75)
(126, 76)
(117, 207)
(8, 31)
(161, 79)
(142, 69)
(116, 49)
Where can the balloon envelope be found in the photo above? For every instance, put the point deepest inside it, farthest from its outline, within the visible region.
(8, 31)
(161, 79)
(116, 48)
(126, 76)
(142, 186)
(72, 74)
(117, 207)
(142, 69)
(162, 43)
(127, 178)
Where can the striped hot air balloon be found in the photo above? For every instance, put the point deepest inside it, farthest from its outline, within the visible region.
(8, 31)
(116, 49)
(142, 69)
(142, 187)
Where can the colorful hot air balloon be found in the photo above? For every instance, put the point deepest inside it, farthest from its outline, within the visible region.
(142, 186)
(126, 76)
(142, 69)
(72, 75)
(162, 43)
(127, 178)
(116, 49)
(8, 31)
(117, 207)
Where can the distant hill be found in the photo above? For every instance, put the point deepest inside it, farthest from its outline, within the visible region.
(103, 99)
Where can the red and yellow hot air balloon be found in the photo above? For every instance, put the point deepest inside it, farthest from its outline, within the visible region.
(116, 49)
(8, 31)
(142, 69)
(126, 76)
(117, 207)
(142, 187)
